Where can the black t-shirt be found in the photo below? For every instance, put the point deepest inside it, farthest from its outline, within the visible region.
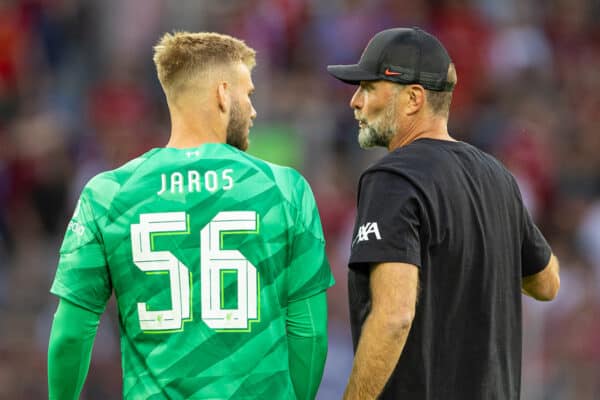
(457, 214)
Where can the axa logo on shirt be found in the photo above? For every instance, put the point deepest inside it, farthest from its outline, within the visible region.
(365, 230)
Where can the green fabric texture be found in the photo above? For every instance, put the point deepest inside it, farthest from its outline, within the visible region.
(70, 349)
(307, 344)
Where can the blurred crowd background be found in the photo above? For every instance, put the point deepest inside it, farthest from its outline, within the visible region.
(78, 95)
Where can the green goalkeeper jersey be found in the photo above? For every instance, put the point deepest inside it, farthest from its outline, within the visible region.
(204, 248)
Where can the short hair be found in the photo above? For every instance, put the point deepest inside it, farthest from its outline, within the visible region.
(181, 56)
(440, 101)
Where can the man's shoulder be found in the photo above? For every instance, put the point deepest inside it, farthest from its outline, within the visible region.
(286, 178)
(433, 158)
(105, 185)
(274, 169)
(408, 162)
(429, 167)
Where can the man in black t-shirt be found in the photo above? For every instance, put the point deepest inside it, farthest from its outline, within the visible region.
(442, 246)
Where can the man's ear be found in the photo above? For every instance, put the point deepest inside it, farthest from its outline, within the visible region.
(416, 99)
(223, 96)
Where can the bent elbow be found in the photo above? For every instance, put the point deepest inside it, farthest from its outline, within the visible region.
(400, 323)
(550, 291)
(544, 285)
(321, 341)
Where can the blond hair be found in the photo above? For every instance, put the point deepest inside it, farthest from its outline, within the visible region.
(182, 56)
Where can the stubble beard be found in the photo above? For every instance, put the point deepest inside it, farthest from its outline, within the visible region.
(236, 128)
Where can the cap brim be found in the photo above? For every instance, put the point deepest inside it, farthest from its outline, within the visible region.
(351, 74)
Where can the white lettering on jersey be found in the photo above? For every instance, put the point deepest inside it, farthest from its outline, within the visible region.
(365, 230)
(193, 181)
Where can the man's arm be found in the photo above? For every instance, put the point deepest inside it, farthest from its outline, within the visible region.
(70, 349)
(307, 343)
(394, 289)
(545, 284)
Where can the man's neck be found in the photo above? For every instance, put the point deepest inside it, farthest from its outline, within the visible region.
(436, 129)
(186, 133)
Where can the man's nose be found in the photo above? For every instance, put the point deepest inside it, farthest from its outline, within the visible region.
(356, 102)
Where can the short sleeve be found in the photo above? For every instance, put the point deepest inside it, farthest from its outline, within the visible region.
(82, 275)
(535, 251)
(388, 221)
(309, 272)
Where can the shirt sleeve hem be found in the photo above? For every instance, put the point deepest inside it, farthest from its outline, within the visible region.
(361, 262)
(532, 271)
(78, 302)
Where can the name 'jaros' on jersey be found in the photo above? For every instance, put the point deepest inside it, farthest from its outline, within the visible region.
(196, 181)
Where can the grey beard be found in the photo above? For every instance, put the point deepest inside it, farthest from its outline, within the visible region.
(369, 137)
(381, 132)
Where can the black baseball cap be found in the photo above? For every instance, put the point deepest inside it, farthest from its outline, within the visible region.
(402, 55)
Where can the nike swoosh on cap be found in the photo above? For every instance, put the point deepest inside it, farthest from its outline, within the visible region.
(387, 72)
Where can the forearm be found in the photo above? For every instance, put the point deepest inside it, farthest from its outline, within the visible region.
(376, 357)
(307, 344)
(70, 350)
